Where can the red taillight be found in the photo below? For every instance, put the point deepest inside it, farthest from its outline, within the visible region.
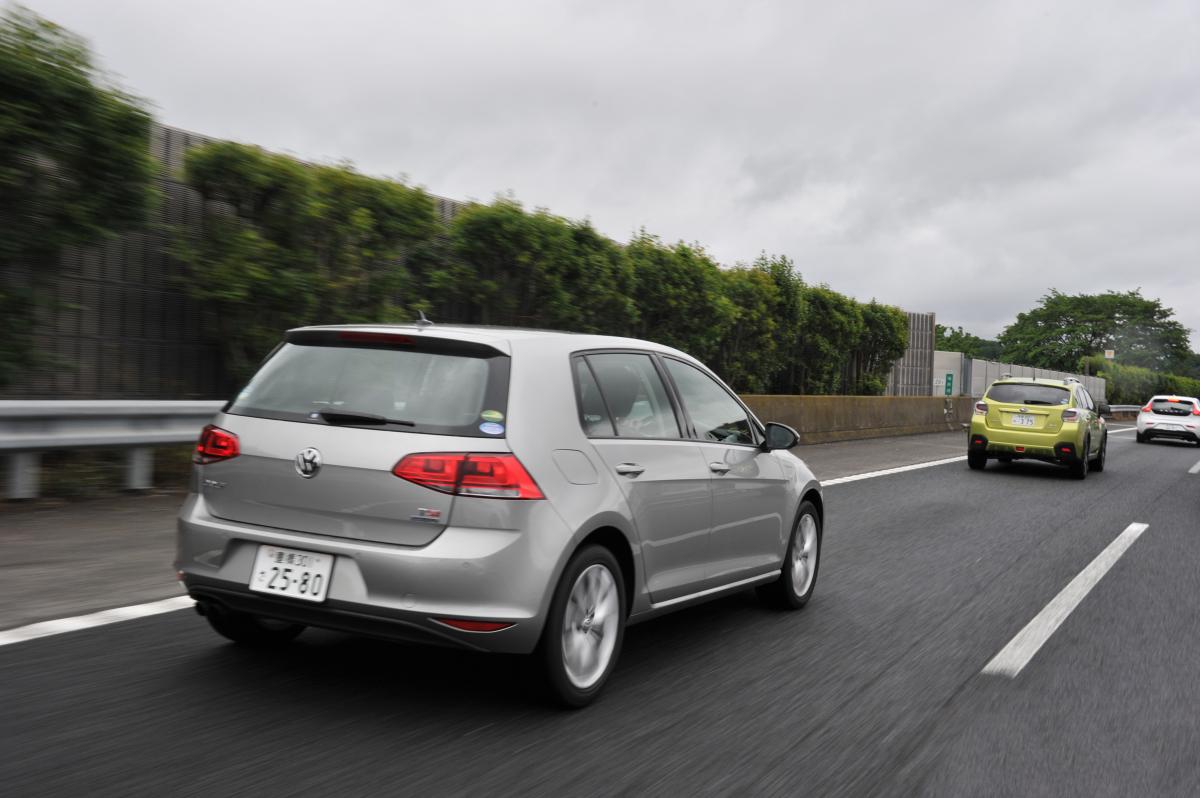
(215, 444)
(497, 476)
(1196, 410)
(473, 626)
(981, 408)
(1070, 415)
(1147, 408)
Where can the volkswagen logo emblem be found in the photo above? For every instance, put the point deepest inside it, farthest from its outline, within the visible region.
(308, 463)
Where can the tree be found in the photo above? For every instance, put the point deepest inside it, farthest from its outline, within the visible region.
(285, 243)
(75, 166)
(680, 297)
(833, 328)
(956, 339)
(749, 355)
(882, 342)
(509, 266)
(1063, 329)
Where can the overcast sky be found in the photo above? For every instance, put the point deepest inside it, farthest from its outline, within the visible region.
(956, 157)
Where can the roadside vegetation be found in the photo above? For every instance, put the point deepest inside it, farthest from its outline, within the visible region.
(1071, 332)
(75, 168)
(285, 243)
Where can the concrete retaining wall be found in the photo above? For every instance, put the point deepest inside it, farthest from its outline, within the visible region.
(823, 419)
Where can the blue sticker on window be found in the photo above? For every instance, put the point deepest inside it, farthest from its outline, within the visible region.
(491, 428)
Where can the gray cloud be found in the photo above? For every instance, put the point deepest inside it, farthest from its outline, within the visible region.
(963, 158)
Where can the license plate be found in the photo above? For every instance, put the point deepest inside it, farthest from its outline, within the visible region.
(291, 572)
(1171, 427)
(1022, 421)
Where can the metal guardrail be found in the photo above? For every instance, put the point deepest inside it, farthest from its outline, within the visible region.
(28, 428)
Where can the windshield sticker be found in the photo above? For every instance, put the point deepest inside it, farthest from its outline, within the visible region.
(491, 428)
(492, 415)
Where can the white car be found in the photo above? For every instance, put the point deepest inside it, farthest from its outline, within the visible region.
(1175, 417)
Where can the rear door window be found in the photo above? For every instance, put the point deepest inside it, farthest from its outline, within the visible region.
(1016, 393)
(443, 392)
(716, 415)
(633, 395)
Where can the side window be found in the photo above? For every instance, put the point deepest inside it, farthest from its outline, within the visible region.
(635, 395)
(593, 415)
(1085, 399)
(716, 414)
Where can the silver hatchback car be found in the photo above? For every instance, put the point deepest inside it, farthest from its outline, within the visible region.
(496, 489)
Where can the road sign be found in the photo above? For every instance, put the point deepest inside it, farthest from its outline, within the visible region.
(949, 383)
(1109, 354)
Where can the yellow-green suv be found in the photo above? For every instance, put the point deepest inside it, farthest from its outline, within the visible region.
(1040, 419)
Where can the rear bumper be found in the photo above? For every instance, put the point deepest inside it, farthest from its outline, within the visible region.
(394, 592)
(1050, 451)
(1179, 435)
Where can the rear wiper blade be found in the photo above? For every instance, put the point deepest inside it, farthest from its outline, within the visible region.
(354, 417)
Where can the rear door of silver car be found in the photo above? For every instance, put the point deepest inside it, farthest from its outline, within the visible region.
(627, 413)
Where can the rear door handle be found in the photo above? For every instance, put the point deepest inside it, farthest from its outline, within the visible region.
(629, 469)
(719, 468)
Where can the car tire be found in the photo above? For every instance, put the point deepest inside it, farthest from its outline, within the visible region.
(1079, 469)
(801, 561)
(1140, 436)
(1098, 463)
(251, 630)
(577, 652)
(976, 461)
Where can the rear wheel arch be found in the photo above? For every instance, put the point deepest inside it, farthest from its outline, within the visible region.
(615, 541)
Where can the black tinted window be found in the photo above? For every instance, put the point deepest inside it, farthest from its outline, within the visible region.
(1029, 394)
(437, 392)
(635, 395)
(1166, 407)
(716, 414)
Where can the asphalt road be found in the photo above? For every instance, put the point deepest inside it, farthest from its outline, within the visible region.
(875, 688)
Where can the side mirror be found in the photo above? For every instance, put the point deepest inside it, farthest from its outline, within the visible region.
(1103, 408)
(780, 436)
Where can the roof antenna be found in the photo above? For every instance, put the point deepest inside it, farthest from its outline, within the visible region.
(423, 322)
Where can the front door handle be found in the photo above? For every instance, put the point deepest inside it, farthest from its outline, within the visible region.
(719, 468)
(629, 469)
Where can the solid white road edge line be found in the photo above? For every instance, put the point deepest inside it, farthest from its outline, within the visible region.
(1013, 658)
(1122, 429)
(57, 627)
(886, 471)
(1194, 469)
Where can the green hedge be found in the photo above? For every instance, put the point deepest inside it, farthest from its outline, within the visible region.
(286, 244)
(1133, 385)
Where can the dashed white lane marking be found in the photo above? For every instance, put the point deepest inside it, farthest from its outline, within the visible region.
(1194, 469)
(1013, 658)
(886, 471)
(1122, 429)
(61, 625)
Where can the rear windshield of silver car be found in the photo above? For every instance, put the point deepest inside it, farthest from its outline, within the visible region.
(1028, 394)
(380, 381)
(1171, 407)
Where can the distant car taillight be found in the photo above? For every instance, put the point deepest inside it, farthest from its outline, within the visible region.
(215, 444)
(1147, 408)
(496, 476)
(981, 408)
(1196, 410)
(1070, 415)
